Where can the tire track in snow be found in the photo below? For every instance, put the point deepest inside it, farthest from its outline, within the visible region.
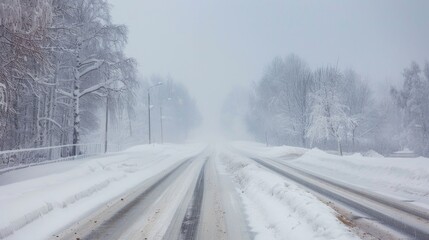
(190, 222)
(110, 223)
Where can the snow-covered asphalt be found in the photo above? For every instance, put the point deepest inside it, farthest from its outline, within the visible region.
(198, 192)
(410, 220)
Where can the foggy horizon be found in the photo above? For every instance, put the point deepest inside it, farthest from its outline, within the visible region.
(215, 46)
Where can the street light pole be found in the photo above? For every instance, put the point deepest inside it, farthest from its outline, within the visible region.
(106, 127)
(148, 108)
(162, 130)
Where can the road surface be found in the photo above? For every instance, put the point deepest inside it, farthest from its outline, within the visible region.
(208, 195)
(408, 220)
(189, 196)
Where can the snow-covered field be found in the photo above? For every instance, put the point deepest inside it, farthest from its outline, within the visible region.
(276, 207)
(57, 200)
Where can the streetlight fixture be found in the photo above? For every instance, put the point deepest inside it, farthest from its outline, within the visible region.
(149, 107)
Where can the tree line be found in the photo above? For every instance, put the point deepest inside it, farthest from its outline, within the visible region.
(62, 66)
(174, 113)
(334, 109)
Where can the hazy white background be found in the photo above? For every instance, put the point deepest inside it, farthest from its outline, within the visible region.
(212, 46)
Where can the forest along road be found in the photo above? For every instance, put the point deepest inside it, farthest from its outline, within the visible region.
(382, 212)
(187, 201)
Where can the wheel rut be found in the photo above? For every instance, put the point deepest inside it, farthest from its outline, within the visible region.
(189, 228)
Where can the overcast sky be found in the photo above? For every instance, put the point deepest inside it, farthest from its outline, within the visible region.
(213, 45)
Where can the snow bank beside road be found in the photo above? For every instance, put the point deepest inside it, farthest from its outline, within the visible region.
(404, 178)
(36, 171)
(63, 198)
(261, 150)
(277, 208)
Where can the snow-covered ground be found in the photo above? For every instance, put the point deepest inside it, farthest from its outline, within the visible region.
(261, 150)
(276, 207)
(406, 179)
(57, 200)
(240, 197)
(38, 171)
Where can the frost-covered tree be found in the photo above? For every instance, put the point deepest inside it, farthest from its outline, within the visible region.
(23, 30)
(332, 108)
(94, 63)
(328, 117)
(283, 97)
(357, 97)
(59, 60)
(173, 112)
(413, 99)
(233, 112)
(179, 111)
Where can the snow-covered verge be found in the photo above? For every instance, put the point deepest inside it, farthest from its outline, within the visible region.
(406, 179)
(36, 171)
(57, 200)
(403, 178)
(261, 150)
(277, 208)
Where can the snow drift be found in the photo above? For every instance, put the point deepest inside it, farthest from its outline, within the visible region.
(277, 208)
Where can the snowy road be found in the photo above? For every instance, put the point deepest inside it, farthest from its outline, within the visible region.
(116, 219)
(376, 213)
(186, 201)
(198, 192)
(410, 220)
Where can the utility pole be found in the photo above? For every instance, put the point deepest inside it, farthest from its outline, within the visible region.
(148, 108)
(129, 120)
(160, 119)
(266, 137)
(106, 122)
